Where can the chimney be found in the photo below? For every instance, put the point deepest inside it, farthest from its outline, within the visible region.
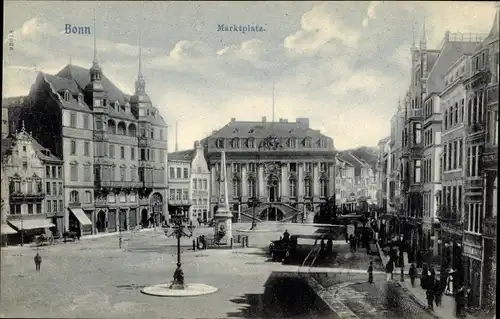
(233, 119)
(263, 119)
(304, 121)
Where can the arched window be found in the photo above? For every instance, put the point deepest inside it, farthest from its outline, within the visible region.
(122, 128)
(74, 197)
(307, 142)
(251, 143)
(322, 143)
(323, 188)
(307, 187)
(80, 98)
(132, 130)
(235, 143)
(111, 127)
(251, 188)
(88, 197)
(66, 95)
(236, 187)
(292, 142)
(293, 188)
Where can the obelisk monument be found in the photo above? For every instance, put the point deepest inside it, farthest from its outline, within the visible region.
(223, 216)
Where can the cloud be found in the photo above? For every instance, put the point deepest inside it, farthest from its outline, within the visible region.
(319, 26)
(371, 12)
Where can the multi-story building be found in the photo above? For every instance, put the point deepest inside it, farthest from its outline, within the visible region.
(288, 167)
(189, 181)
(426, 79)
(449, 109)
(383, 169)
(490, 166)
(24, 162)
(481, 103)
(395, 144)
(11, 107)
(113, 145)
(344, 185)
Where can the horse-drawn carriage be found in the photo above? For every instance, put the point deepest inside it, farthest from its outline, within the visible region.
(70, 235)
(278, 249)
(42, 240)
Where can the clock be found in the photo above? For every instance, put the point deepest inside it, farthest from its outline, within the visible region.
(221, 199)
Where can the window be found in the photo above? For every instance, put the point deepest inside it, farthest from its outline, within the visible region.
(293, 188)
(122, 152)
(47, 171)
(186, 173)
(73, 147)
(235, 142)
(251, 143)
(205, 184)
(251, 188)
(87, 176)
(236, 188)
(418, 170)
(323, 167)
(307, 142)
(122, 174)
(132, 153)
(445, 118)
(112, 151)
(473, 157)
(143, 154)
(252, 167)
(38, 208)
(178, 194)
(74, 172)
(30, 209)
(179, 173)
(219, 143)
(450, 155)
(292, 143)
(86, 122)
(72, 119)
(185, 194)
(86, 148)
(88, 197)
(172, 194)
(172, 172)
(60, 188)
(59, 172)
(74, 197)
(152, 155)
(133, 174)
(307, 187)
(54, 188)
(49, 205)
(307, 167)
(456, 113)
(455, 154)
(323, 188)
(293, 167)
(474, 220)
(195, 184)
(417, 131)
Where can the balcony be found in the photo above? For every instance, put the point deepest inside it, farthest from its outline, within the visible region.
(118, 184)
(492, 94)
(416, 113)
(74, 204)
(449, 215)
(144, 141)
(490, 158)
(33, 196)
(100, 136)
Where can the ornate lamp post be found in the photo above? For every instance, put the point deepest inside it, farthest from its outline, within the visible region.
(178, 231)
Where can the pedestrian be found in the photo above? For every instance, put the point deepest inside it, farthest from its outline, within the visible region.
(38, 261)
(286, 236)
(354, 243)
(346, 234)
(438, 293)
(120, 241)
(430, 298)
(413, 274)
(322, 248)
(370, 272)
(423, 276)
(389, 269)
(329, 246)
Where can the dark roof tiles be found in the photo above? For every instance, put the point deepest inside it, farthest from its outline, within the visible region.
(242, 129)
(184, 156)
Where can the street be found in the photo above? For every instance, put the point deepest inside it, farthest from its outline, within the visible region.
(94, 278)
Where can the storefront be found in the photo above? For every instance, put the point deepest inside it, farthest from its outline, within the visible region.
(27, 229)
(472, 273)
(79, 221)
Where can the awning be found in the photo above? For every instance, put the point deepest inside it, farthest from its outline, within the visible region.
(80, 215)
(7, 230)
(30, 223)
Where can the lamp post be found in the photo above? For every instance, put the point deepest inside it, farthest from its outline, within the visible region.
(254, 202)
(22, 231)
(178, 232)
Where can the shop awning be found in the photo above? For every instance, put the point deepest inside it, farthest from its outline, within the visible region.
(30, 223)
(7, 230)
(80, 215)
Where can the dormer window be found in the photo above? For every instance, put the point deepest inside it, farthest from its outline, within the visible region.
(219, 143)
(322, 143)
(292, 143)
(235, 143)
(251, 143)
(307, 142)
(80, 98)
(153, 113)
(116, 106)
(66, 95)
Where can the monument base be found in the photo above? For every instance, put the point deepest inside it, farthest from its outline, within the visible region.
(189, 290)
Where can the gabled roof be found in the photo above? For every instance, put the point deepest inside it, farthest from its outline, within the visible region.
(450, 53)
(244, 129)
(182, 156)
(43, 153)
(354, 161)
(494, 34)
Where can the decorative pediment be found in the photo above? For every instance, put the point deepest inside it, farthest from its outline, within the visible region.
(272, 169)
(35, 176)
(307, 175)
(251, 175)
(73, 162)
(123, 166)
(293, 175)
(87, 163)
(16, 176)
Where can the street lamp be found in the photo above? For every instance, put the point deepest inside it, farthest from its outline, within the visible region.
(254, 201)
(178, 231)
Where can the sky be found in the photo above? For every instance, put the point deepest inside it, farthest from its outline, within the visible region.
(343, 65)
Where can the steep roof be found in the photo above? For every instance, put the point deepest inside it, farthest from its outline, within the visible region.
(354, 161)
(244, 129)
(493, 35)
(43, 153)
(450, 53)
(182, 156)
(432, 56)
(81, 76)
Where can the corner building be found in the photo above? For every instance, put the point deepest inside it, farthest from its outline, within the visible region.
(290, 180)
(114, 147)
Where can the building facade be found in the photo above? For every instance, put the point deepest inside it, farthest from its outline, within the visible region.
(179, 175)
(114, 147)
(344, 185)
(30, 211)
(395, 144)
(200, 182)
(279, 169)
(383, 170)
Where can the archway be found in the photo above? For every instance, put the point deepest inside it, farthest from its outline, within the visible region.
(271, 214)
(156, 203)
(144, 218)
(101, 222)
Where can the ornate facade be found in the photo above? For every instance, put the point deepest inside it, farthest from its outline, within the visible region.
(114, 147)
(282, 170)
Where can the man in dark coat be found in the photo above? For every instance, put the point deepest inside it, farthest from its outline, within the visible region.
(413, 274)
(370, 272)
(38, 261)
(430, 298)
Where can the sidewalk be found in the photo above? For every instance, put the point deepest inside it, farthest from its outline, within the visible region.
(101, 235)
(447, 308)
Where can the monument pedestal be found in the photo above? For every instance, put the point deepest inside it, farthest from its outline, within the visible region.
(223, 220)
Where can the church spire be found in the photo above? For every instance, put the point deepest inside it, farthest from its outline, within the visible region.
(140, 83)
(423, 38)
(95, 70)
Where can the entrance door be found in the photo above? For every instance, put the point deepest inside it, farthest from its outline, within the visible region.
(101, 221)
(272, 186)
(112, 220)
(144, 218)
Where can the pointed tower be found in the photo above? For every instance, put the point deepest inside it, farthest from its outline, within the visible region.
(414, 56)
(140, 102)
(423, 52)
(223, 215)
(95, 96)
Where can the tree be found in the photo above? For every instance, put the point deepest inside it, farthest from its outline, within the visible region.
(327, 212)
